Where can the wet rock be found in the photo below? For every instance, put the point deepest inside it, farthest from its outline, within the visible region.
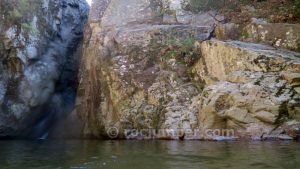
(39, 54)
(292, 128)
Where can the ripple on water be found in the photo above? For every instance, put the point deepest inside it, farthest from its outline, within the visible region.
(148, 154)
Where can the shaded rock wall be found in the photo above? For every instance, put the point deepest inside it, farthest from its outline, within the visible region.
(39, 52)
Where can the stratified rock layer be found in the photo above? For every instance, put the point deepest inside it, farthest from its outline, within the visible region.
(135, 67)
(251, 88)
(279, 35)
(150, 65)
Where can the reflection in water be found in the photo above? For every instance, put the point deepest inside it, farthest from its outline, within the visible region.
(148, 154)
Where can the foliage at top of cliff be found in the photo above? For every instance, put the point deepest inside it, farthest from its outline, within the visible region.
(241, 11)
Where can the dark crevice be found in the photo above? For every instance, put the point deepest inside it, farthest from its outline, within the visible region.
(46, 87)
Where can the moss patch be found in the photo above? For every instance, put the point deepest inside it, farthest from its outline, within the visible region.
(168, 46)
(20, 13)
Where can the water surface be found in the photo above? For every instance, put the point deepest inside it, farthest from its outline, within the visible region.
(148, 155)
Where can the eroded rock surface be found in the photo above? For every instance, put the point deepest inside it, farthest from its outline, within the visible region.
(134, 72)
(279, 35)
(151, 65)
(39, 59)
(253, 89)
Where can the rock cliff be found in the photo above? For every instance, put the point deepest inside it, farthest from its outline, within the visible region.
(149, 69)
(40, 44)
(153, 64)
(253, 90)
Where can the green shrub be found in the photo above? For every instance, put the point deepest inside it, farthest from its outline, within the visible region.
(170, 46)
(203, 5)
(22, 9)
(21, 13)
(296, 11)
(29, 28)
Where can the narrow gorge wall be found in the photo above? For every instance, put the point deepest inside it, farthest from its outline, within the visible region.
(151, 64)
(40, 47)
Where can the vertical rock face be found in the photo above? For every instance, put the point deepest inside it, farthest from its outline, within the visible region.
(135, 66)
(253, 89)
(39, 51)
(145, 66)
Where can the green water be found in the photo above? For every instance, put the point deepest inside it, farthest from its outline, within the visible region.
(148, 155)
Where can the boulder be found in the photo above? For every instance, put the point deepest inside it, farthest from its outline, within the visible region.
(279, 35)
(251, 87)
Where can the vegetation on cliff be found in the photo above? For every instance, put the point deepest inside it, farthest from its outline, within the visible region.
(16, 12)
(242, 11)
